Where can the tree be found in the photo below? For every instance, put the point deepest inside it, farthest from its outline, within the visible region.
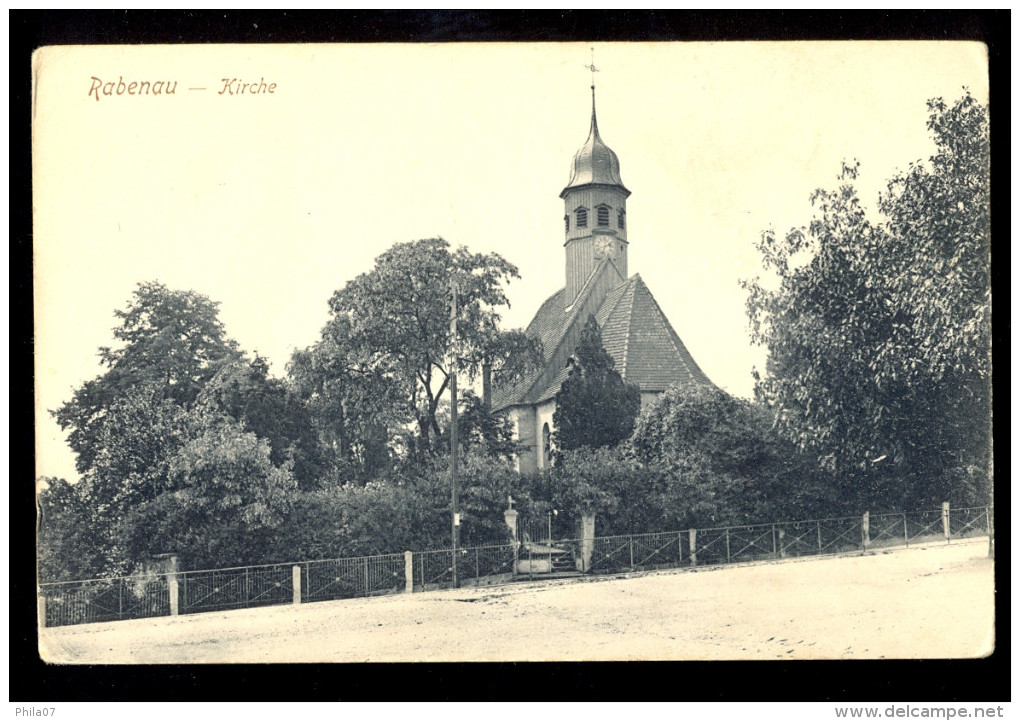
(171, 341)
(717, 460)
(397, 311)
(271, 409)
(594, 407)
(585, 481)
(878, 331)
(175, 392)
(222, 502)
(354, 398)
(65, 547)
(484, 432)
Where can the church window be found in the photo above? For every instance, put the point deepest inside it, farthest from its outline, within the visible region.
(603, 215)
(582, 217)
(620, 219)
(566, 222)
(546, 442)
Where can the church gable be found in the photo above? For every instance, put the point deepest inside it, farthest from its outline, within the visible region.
(559, 329)
(655, 358)
(636, 333)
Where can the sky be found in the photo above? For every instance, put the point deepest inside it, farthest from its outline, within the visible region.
(268, 203)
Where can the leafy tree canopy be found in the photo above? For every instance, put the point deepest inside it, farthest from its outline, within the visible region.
(397, 313)
(353, 395)
(171, 341)
(878, 331)
(269, 408)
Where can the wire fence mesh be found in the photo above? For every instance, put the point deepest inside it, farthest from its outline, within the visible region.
(149, 595)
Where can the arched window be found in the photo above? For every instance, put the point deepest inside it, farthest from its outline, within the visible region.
(620, 219)
(566, 222)
(582, 217)
(603, 216)
(546, 441)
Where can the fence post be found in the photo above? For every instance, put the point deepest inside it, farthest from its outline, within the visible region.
(775, 548)
(295, 582)
(174, 591)
(42, 609)
(991, 530)
(865, 531)
(906, 536)
(782, 548)
(693, 534)
(630, 540)
(408, 572)
(727, 545)
(366, 575)
(476, 563)
(819, 524)
(945, 520)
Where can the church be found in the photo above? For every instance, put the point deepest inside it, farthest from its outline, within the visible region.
(647, 351)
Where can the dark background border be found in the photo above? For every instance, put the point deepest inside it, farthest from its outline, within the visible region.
(979, 680)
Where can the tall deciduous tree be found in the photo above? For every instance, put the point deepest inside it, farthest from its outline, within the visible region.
(398, 310)
(172, 341)
(594, 407)
(354, 397)
(878, 332)
(165, 462)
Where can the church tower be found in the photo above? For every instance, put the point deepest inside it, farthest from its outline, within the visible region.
(635, 332)
(595, 211)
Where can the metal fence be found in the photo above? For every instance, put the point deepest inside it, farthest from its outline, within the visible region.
(183, 592)
(107, 599)
(338, 578)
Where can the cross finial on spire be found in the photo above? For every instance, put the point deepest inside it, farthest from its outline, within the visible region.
(594, 123)
(593, 71)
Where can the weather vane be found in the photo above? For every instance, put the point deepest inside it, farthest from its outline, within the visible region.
(592, 68)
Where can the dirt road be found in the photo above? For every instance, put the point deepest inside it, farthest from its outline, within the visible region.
(932, 602)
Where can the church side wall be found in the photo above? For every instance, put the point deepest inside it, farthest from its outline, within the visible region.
(543, 415)
(524, 427)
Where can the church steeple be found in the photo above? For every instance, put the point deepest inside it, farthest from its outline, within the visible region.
(594, 162)
(595, 204)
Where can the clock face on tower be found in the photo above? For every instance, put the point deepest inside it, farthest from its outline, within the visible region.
(603, 247)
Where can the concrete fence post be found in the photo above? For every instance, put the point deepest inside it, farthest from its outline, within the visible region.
(408, 572)
(295, 582)
(782, 546)
(42, 609)
(173, 587)
(865, 531)
(945, 520)
(587, 541)
(991, 531)
(693, 533)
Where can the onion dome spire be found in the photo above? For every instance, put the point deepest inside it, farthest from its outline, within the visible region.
(595, 162)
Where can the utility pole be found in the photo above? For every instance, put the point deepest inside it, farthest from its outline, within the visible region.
(452, 304)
